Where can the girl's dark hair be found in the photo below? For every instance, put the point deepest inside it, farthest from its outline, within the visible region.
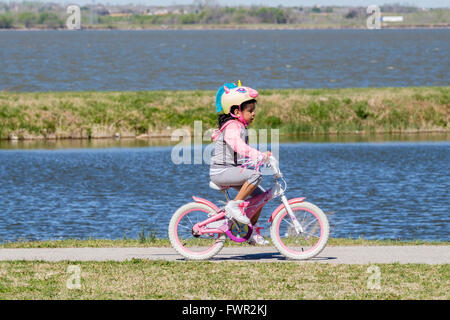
(223, 118)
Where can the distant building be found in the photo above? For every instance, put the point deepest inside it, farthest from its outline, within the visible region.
(158, 12)
(392, 18)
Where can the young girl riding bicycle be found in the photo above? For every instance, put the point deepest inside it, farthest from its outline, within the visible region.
(198, 230)
(236, 105)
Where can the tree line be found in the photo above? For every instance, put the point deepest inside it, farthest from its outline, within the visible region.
(30, 20)
(53, 16)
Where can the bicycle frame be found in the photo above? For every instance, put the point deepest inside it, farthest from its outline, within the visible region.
(252, 206)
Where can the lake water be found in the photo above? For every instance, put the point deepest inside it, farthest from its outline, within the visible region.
(205, 59)
(379, 190)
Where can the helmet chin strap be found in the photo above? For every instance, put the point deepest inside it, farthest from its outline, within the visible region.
(240, 118)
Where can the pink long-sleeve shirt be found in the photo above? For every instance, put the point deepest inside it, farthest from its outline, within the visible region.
(232, 137)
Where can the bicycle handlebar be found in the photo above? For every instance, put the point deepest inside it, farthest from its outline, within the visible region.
(275, 166)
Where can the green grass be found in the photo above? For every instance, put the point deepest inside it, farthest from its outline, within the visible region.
(144, 279)
(59, 115)
(149, 241)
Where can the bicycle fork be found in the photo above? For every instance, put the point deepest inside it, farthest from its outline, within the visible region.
(298, 227)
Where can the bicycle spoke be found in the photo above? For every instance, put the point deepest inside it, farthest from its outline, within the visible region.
(306, 226)
(184, 227)
(314, 227)
(192, 224)
(304, 217)
(288, 222)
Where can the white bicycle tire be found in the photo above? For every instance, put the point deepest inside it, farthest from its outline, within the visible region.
(325, 232)
(175, 242)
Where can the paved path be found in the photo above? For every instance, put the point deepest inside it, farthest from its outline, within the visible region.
(341, 255)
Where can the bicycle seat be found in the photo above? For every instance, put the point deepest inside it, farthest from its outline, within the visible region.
(214, 186)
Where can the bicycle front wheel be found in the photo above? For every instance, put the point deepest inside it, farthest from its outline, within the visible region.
(182, 239)
(300, 245)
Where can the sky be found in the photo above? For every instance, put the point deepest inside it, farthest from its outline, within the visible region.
(308, 3)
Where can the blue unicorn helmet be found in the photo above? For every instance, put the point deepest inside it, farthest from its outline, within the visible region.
(231, 94)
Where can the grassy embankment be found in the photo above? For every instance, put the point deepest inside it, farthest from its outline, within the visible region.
(59, 115)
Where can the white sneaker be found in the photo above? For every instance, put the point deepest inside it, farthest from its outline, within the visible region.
(235, 210)
(256, 237)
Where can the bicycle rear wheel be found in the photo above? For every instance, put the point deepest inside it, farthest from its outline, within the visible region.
(198, 247)
(304, 245)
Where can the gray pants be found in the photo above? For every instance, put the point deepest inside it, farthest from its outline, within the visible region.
(233, 177)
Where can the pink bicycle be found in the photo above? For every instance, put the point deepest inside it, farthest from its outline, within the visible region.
(299, 229)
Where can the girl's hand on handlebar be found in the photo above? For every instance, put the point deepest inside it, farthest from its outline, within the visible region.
(267, 155)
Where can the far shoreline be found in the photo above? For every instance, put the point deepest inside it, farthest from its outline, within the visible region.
(267, 27)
